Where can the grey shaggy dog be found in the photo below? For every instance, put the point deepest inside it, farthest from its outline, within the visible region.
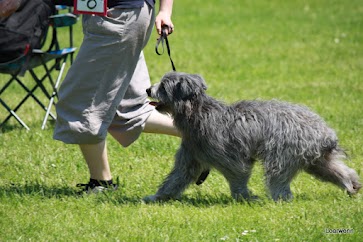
(288, 138)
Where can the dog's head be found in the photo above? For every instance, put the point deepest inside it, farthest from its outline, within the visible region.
(176, 89)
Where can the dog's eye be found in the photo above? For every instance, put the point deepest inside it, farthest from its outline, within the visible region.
(162, 92)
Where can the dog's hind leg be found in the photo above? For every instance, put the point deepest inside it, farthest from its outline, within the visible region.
(332, 169)
(278, 179)
(186, 170)
(238, 178)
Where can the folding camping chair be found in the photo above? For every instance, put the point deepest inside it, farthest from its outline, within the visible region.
(51, 60)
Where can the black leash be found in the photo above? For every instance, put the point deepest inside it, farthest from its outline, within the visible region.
(163, 37)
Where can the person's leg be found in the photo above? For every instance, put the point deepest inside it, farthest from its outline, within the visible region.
(161, 124)
(135, 115)
(96, 154)
(84, 110)
(97, 160)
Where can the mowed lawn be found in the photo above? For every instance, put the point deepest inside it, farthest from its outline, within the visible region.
(308, 52)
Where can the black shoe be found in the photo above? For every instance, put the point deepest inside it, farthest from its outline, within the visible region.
(95, 186)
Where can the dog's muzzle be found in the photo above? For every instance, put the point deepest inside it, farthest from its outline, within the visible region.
(148, 91)
(153, 103)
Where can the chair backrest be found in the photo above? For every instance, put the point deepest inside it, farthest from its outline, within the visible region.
(61, 20)
(24, 30)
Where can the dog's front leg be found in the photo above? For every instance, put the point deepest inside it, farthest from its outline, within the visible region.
(186, 170)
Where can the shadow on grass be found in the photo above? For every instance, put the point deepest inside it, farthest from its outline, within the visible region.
(203, 201)
(37, 189)
(224, 200)
(6, 128)
(117, 198)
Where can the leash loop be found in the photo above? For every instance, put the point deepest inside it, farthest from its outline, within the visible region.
(162, 38)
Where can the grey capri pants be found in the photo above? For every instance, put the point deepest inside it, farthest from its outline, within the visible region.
(105, 88)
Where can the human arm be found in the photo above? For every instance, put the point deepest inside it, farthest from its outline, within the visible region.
(164, 16)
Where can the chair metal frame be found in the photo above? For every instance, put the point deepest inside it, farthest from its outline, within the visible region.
(36, 59)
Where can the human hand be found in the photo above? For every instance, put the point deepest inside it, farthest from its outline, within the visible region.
(163, 19)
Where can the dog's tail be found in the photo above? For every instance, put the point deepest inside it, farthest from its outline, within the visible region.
(343, 175)
(332, 169)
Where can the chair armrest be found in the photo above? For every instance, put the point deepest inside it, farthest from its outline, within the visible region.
(61, 7)
(63, 20)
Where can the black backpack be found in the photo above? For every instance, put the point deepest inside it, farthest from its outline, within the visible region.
(24, 30)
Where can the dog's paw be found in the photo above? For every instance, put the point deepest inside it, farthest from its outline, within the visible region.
(249, 198)
(150, 199)
(158, 198)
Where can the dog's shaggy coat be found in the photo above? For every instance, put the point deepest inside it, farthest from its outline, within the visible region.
(287, 138)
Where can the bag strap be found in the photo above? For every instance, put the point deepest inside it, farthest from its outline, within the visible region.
(163, 37)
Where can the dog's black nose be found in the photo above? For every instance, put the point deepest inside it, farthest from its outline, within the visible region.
(148, 91)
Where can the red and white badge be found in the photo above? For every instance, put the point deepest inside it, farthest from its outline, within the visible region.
(98, 7)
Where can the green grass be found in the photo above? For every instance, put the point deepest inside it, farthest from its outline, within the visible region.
(308, 52)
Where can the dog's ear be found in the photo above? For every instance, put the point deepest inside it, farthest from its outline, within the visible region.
(199, 80)
(190, 85)
(168, 85)
(182, 86)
